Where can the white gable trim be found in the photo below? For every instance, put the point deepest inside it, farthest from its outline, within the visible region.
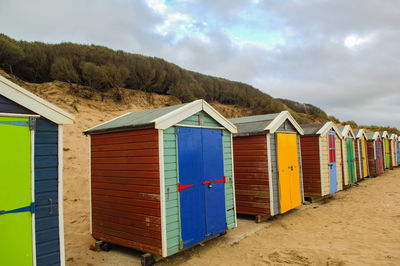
(361, 133)
(328, 126)
(34, 103)
(172, 118)
(281, 118)
(346, 130)
(384, 135)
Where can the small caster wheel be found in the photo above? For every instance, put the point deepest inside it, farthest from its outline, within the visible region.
(106, 246)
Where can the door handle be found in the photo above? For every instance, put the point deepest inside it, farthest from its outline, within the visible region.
(51, 206)
(290, 167)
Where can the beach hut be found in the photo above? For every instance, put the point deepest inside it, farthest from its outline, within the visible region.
(162, 180)
(267, 160)
(322, 160)
(398, 151)
(375, 153)
(393, 149)
(386, 149)
(348, 154)
(31, 194)
(362, 154)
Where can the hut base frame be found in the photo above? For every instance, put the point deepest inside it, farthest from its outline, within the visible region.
(318, 198)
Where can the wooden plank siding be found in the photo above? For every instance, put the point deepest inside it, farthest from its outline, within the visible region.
(126, 189)
(251, 175)
(46, 193)
(372, 157)
(311, 165)
(228, 172)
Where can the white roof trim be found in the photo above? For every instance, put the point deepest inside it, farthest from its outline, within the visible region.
(360, 133)
(21, 96)
(328, 126)
(346, 130)
(393, 136)
(376, 136)
(172, 118)
(275, 124)
(384, 134)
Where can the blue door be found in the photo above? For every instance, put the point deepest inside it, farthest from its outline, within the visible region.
(214, 187)
(191, 192)
(201, 184)
(332, 162)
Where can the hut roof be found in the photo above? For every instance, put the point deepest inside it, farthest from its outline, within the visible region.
(360, 133)
(161, 118)
(262, 123)
(21, 96)
(373, 135)
(319, 129)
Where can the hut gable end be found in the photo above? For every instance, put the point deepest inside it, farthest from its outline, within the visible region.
(8, 106)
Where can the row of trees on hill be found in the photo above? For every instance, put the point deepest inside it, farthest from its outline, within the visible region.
(102, 69)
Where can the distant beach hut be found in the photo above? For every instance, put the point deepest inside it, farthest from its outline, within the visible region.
(31, 194)
(362, 153)
(375, 153)
(162, 179)
(322, 160)
(267, 160)
(398, 150)
(348, 153)
(386, 149)
(393, 149)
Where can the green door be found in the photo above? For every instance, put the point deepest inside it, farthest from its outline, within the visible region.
(387, 153)
(350, 160)
(15, 192)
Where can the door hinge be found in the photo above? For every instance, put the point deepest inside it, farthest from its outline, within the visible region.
(32, 123)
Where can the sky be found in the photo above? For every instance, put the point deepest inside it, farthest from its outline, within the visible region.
(342, 56)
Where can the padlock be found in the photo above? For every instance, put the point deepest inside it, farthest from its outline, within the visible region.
(209, 186)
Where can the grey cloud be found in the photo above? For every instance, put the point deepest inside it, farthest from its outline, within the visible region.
(312, 65)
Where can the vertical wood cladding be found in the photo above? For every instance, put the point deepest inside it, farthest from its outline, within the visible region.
(126, 189)
(46, 193)
(357, 159)
(371, 157)
(339, 163)
(311, 165)
(251, 175)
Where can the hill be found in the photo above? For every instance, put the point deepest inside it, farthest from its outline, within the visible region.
(91, 68)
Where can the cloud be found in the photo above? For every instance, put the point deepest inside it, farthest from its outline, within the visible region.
(339, 55)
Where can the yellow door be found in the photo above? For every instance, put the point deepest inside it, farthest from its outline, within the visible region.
(364, 160)
(288, 171)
